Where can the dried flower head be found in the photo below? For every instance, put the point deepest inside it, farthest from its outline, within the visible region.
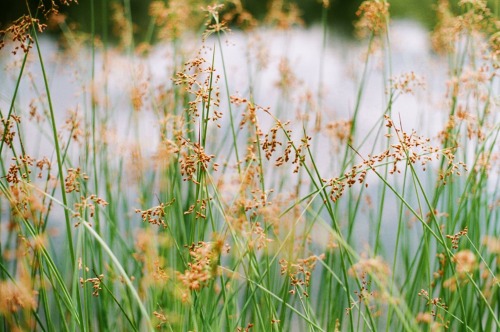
(202, 266)
(435, 302)
(213, 23)
(16, 297)
(424, 317)
(287, 79)
(19, 32)
(409, 148)
(455, 238)
(194, 160)
(162, 319)
(364, 295)
(407, 83)
(139, 89)
(492, 244)
(373, 18)
(300, 273)
(283, 14)
(372, 266)
(445, 34)
(245, 329)
(122, 27)
(200, 81)
(155, 215)
(73, 179)
(7, 132)
(257, 237)
(339, 131)
(96, 284)
(476, 19)
(87, 204)
(175, 18)
(235, 12)
(73, 124)
(465, 261)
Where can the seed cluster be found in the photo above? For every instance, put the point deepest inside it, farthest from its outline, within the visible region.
(455, 238)
(213, 24)
(477, 17)
(435, 303)
(245, 329)
(87, 204)
(16, 297)
(465, 261)
(155, 215)
(7, 133)
(292, 152)
(194, 160)
(284, 15)
(73, 125)
(162, 318)
(339, 131)
(410, 148)
(72, 180)
(20, 32)
(96, 284)
(373, 18)
(199, 80)
(258, 237)
(300, 273)
(407, 83)
(375, 266)
(202, 268)
(364, 295)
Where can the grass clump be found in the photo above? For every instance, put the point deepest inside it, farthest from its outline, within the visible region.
(169, 198)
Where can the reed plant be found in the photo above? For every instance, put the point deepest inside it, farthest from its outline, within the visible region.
(186, 205)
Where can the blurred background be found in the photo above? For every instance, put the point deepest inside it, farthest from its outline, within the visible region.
(340, 14)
